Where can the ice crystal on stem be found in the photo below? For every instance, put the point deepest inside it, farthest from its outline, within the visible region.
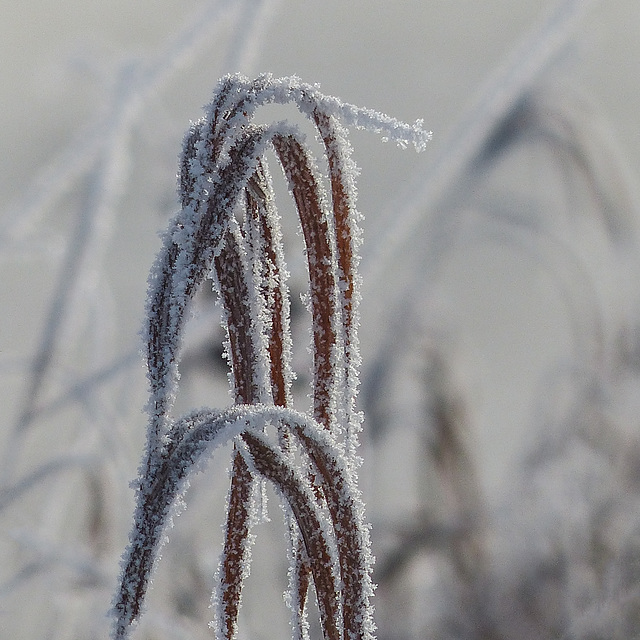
(228, 227)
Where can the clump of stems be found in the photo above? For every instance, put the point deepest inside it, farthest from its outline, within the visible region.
(228, 228)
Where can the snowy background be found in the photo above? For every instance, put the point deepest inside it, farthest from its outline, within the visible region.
(95, 99)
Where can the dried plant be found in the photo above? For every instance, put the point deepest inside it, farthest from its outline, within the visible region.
(229, 226)
(528, 169)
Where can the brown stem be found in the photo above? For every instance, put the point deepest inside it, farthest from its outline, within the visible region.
(273, 467)
(322, 284)
(342, 212)
(350, 538)
(268, 260)
(231, 273)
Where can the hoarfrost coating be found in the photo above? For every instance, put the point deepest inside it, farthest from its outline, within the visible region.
(229, 229)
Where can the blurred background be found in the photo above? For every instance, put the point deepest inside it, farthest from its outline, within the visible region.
(500, 303)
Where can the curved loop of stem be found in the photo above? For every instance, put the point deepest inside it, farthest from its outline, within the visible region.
(228, 226)
(192, 437)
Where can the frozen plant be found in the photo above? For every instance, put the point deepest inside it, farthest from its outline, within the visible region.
(229, 228)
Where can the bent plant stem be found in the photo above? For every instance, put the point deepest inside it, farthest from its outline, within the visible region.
(313, 218)
(195, 435)
(317, 551)
(233, 288)
(229, 226)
